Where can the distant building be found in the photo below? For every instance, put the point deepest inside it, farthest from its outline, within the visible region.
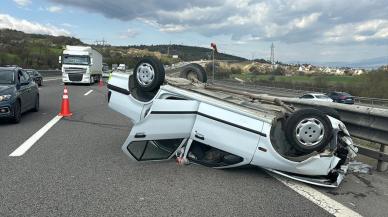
(358, 71)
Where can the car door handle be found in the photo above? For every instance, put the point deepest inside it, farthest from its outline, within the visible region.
(199, 136)
(140, 135)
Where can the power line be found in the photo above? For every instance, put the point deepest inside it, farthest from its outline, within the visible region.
(103, 42)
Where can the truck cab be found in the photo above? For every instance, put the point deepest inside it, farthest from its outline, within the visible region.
(81, 64)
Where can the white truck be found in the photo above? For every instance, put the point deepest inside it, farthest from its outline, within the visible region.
(224, 128)
(81, 64)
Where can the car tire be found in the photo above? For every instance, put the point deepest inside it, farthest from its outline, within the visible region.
(194, 71)
(37, 104)
(17, 112)
(308, 130)
(329, 111)
(149, 74)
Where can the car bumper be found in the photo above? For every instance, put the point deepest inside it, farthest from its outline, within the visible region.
(6, 109)
(84, 80)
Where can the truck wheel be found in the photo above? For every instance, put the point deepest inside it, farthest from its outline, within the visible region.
(149, 74)
(308, 130)
(194, 71)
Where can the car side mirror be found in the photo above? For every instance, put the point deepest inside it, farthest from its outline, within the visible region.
(91, 61)
(60, 59)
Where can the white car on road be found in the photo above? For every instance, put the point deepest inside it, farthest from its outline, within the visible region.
(316, 96)
(203, 124)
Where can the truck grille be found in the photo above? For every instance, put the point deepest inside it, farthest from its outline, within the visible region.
(75, 77)
(75, 70)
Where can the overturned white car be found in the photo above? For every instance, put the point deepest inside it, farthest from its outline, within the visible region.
(221, 128)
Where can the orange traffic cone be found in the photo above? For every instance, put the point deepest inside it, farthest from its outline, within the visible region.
(101, 82)
(65, 110)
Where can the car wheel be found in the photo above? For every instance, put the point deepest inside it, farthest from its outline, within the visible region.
(40, 83)
(37, 105)
(17, 113)
(194, 71)
(308, 130)
(149, 74)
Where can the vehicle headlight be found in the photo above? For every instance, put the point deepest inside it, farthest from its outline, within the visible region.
(4, 97)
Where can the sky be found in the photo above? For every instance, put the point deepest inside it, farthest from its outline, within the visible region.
(301, 30)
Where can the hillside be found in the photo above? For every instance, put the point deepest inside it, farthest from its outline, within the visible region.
(186, 53)
(32, 50)
(42, 51)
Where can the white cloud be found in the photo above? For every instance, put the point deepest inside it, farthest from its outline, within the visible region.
(371, 30)
(9, 22)
(22, 3)
(130, 33)
(289, 21)
(306, 21)
(54, 9)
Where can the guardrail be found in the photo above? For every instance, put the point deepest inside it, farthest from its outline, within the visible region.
(298, 90)
(364, 122)
(371, 101)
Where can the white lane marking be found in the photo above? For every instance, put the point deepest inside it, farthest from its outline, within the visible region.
(87, 93)
(22, 149)
(52, 79)
(333, 207)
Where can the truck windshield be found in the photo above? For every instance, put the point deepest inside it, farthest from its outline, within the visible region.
(7, 77)
(76, 60)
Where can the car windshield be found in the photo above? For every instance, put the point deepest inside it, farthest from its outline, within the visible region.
(7, 77)
(76, 60)
(322, 97)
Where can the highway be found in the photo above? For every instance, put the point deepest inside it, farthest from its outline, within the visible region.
(77, 168)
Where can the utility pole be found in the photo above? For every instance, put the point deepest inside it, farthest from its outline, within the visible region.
(272, 55)
(213, 65)
(168, 49)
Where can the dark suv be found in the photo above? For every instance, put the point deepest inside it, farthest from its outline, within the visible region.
(35, 75)
(341, 97)
(18, 93)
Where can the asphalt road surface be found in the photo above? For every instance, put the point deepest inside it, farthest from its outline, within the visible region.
(78, 169)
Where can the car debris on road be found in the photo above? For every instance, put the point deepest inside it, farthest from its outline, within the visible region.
(215, 127)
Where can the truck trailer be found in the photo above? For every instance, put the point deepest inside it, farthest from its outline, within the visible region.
(81, 64)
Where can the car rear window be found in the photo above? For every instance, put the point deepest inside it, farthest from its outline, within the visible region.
(345, 94)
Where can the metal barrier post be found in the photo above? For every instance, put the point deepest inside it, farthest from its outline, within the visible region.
(381, 165)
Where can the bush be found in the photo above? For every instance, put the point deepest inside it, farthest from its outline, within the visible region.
(279, 71)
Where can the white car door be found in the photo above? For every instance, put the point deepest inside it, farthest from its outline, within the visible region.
(166, 127)
(230, 132)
